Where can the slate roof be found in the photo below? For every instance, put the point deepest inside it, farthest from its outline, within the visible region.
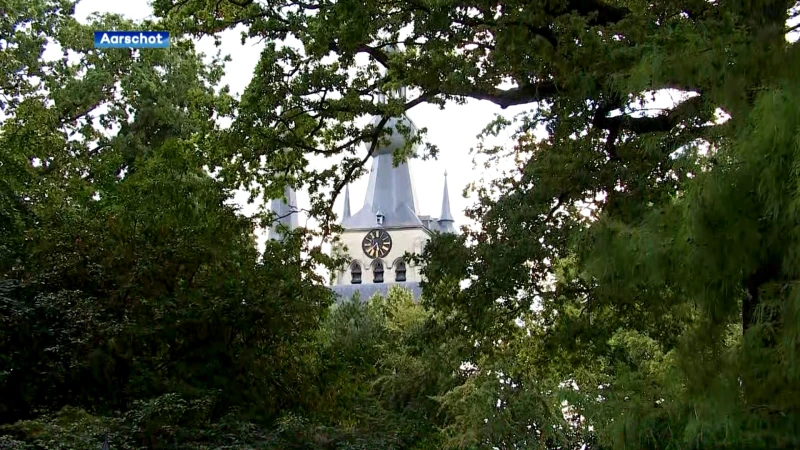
(366, 291)
(390, 189)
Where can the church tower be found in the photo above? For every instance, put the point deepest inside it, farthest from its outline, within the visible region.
(387, 225)
(285, 210)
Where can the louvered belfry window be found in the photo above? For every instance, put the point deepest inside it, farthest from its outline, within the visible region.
(355, 273)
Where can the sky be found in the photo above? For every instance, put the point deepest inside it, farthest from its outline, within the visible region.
(453, 130)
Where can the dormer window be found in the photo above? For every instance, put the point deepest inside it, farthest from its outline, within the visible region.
(377, 272)
(400, 271)
(379, 217)
(355, 273)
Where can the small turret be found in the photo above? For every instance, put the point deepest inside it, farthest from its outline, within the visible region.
(446, 218)
(346, 212)
(286, 212)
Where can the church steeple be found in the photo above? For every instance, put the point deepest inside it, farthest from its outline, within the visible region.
(390, 189)
(346, 212)
(379, 235)
(286, 211)
(400, 91)
(446, 218)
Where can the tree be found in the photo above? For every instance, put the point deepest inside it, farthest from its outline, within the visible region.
(129, 277)
(647, 259)
(594, 53)
(378, 373)
(690, 234)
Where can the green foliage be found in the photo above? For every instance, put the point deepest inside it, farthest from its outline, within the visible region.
(378, 374)
(671, 308)
(164, 422)
(128, 276)
(632, 284)
(373, 391)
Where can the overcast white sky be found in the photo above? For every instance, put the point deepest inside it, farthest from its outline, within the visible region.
(453, 129)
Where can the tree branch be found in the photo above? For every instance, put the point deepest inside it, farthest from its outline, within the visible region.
(661, 123)
(70, 118)
(511, 97)
(559, 201)
(337, 189)
(605, 14)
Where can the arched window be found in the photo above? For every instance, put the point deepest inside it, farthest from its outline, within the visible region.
(355, 273)
(377, 271)
(400, 271)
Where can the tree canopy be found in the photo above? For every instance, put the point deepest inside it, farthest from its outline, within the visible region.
(632, 282)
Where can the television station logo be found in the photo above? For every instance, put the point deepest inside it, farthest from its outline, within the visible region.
(131, 39)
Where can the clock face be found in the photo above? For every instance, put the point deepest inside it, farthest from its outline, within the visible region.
(377, 244)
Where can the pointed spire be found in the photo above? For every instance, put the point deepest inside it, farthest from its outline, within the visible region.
(399, 92)
(446, 218)
(286, 212)
(390, 190)
(346, 213)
